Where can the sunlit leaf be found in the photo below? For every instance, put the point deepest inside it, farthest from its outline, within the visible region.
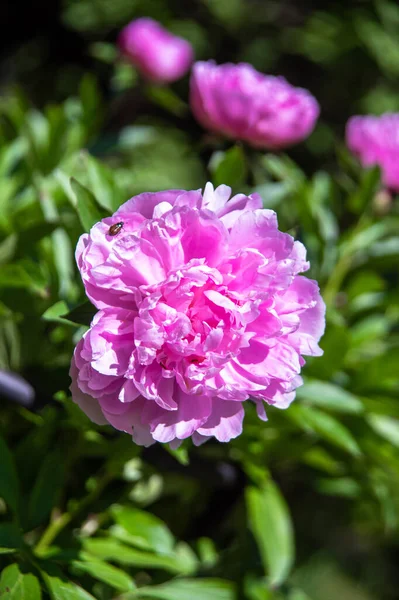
(271, 526)
(105, 572)
(17, 585)
(326, 426)
(187, 589)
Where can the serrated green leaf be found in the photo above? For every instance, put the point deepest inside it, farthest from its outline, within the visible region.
(270, 523)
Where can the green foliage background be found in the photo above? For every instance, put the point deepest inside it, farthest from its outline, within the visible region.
(304, 507)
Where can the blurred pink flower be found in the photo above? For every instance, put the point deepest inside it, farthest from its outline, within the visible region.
(375, 141)
(240, 103)
(159, 55)
(202, 308)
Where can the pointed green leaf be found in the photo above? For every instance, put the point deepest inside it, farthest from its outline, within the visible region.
(187, 589)
(270, 523)
(88, 209)
(104, 185)
(326, 426)
(102, 571)
(328, 395)
(46, 489)
(112, 550)
(55, 312)
(60, 588)
(82, 314)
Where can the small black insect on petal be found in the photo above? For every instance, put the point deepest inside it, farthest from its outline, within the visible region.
(115, 228)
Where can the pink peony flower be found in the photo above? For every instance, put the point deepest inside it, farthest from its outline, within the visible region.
(159, 55)
(240, 103)
(201, 309)
(375, 141)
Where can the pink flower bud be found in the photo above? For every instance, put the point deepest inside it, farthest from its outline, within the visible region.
(375, 141)
(159, 55)
(240, 103)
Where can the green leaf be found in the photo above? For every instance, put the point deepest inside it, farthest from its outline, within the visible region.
(10, 538)
(257, 589)
(90, 97)
(344, 486)
(7, 248)
(104, 185)
(283, 168)
(166, 98)
(9, 485)
(62, 247)
(187, 589)
(327, 395)
(55, 312)
(81, 314)
(15, 585)
(326, 426)
(270, 523)
(365, 193)
(112, 550)
(207, 552)
(46, 489)
(335, 344)
(104, 51)
(272, 194)
(145, 530)
(102, 571)
(62, 589)
(180, 454)
(229, 168)
(387, 427)
(88, 209)
(14, 275)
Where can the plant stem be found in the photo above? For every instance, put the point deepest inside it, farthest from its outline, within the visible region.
(343, 265)
(56, 526)
(336, 279)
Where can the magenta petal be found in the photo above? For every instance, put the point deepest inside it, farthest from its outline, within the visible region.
(225, 422)
(202, 309)
(375, 141)
(192, 412)
(240, 103)
(159, 55)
